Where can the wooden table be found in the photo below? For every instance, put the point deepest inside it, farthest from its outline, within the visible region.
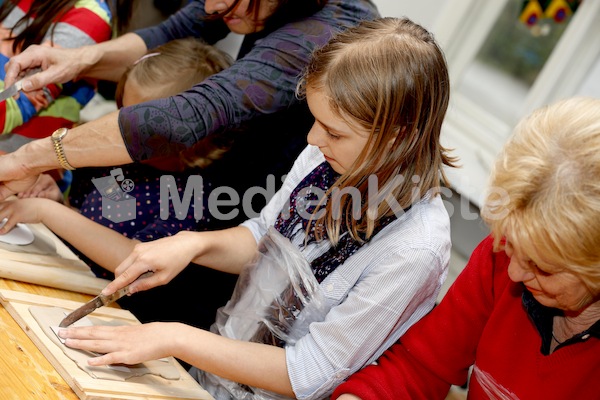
(26, 373)
(29, 369)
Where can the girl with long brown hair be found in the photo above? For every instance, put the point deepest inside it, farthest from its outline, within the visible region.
(362, 268)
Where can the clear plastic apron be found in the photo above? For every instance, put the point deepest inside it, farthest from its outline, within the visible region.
(275, 300)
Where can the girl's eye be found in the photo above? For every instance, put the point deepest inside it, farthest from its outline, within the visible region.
(332, 136)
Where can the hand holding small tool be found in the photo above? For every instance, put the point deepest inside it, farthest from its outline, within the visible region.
(16, 87)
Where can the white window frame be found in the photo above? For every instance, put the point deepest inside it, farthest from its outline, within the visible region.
(476, 133)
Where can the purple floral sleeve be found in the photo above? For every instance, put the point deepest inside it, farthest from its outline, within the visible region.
(262, 82)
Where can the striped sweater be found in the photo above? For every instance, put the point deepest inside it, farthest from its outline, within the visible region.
(37, 114)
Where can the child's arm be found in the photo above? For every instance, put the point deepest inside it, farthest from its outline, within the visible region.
(104, 246)
(227, 250)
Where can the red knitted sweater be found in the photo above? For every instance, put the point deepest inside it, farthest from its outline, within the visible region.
(481, 322)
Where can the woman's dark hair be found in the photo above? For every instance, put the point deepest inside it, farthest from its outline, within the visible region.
(286, 11)
(122, 10)
(43, 13)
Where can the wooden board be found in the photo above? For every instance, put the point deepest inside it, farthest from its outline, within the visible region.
(26, 372)
(86, 387)
(48, 262)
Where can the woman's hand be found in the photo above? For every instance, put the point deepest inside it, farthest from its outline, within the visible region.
(58, 66)
(166, 257)
(20, 169)
(45, 187)
(107, 60)
(129, 344)
(13, 183)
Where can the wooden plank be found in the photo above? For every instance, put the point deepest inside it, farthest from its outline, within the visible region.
(47, 260)
(18, 286)
(144, 387)
(26, 373)
(59, 268)
(50, 276)
(168, 389)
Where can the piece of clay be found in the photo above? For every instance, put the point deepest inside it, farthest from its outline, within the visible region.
(48, 317)
(20, 235)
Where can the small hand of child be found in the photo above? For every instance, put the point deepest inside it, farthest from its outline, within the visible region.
(24, 211)
(45, 187)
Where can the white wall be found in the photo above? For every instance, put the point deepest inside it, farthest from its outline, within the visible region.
(424, 12)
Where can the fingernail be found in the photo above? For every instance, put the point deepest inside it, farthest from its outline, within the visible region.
(27, 85)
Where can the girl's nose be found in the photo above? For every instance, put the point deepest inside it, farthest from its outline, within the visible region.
(519, 272)
(315, 137)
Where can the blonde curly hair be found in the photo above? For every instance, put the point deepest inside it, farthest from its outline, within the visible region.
(545, 189)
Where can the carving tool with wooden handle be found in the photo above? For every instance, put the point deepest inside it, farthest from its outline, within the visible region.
(97, 302)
